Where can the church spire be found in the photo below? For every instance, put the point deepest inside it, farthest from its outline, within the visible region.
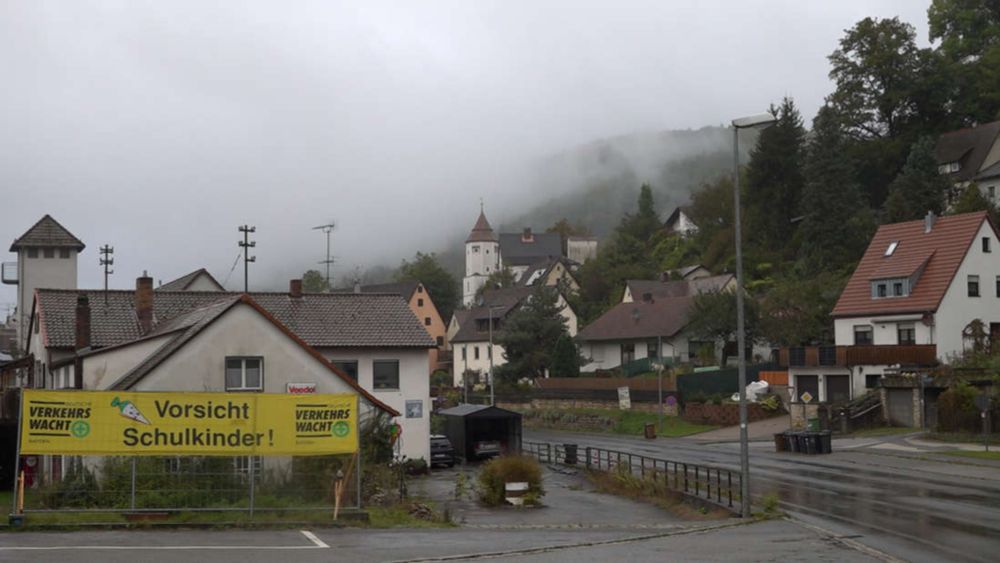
(482, 231)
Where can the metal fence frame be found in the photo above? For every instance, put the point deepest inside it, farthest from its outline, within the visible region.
(704, 482)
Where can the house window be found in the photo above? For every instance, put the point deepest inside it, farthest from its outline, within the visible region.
(350, 367)
(440, 340)
(881, 290)
(873, 380)
(986, 244)
(242, 464)
(628, 353)
(244, 374)
(49, 252)
(464, 353)
(992, 192)
(385, 374)
(973, 286)
(420, 302)
(897, 289)
(998, 286)
(64, 253)
(32, 253)
(651, 349)
(892, 248)
(862, 335)
(475, 352)
(420, 289)
(427, 321)
(906, 334)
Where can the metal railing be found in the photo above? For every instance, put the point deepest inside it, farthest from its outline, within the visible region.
(713, 484)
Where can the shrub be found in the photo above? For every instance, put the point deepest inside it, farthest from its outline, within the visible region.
(441, 378)
(497, 472)
(415, 466)
(957, 410)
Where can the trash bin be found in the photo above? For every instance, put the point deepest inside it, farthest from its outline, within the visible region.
(812, 440)
(569, 454)
(780, 445)
(803, 439)
(789, 441)
(794, 445)
(825, 442)
(650, 430)
(813, 424)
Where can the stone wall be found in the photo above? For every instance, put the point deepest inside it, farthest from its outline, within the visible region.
(564, 404)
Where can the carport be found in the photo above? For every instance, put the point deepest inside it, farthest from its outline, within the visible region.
(469, 425)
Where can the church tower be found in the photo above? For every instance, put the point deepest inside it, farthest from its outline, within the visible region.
(46, 258)
(482, 258)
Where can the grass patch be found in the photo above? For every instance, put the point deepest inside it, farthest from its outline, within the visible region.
(883, 431)
(961, 437)
(990, 455)
(611, 420)
(651, 490)
(400, 517)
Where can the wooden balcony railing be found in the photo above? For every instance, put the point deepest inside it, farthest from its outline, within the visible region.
(847, 356)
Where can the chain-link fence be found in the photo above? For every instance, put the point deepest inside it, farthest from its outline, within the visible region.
(190, 483)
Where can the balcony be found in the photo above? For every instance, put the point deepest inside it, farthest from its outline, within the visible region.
(847, 356)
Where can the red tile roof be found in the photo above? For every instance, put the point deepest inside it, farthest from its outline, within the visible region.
(942, 249)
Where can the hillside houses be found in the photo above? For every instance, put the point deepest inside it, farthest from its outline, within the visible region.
(971, 155)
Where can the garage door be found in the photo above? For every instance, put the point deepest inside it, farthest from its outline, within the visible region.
(900, 407)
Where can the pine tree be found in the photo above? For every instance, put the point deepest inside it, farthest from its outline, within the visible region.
(775, 179)
(529, 336)
(836, 222)
(565, 358)
(919, 187)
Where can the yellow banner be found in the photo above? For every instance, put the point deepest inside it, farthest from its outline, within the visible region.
(147, 423)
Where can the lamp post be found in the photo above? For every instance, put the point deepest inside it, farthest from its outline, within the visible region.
(760, 120)
(489, 352)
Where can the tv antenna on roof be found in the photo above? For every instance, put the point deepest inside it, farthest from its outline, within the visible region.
(328, 228)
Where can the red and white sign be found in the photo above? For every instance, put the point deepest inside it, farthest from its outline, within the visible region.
(301, 388)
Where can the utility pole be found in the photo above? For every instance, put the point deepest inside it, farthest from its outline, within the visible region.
(106, 260)
(329, 260)
(246, 244)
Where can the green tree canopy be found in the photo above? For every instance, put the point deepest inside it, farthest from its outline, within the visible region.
(832, 206)
(775, 179)
(713, 316)
(499, 279)
(566, 360)
(919, 188)
(314, 282)
(529, 336)
(969, 31)
(443, 288)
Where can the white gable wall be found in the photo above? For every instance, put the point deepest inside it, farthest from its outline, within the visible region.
(101, 371)
(957, 309)
(202, 283)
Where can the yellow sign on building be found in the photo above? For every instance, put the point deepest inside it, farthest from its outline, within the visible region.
(153, 423)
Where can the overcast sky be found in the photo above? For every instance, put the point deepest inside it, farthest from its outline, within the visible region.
(158, 127)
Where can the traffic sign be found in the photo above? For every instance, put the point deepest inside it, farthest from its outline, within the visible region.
(807, 397)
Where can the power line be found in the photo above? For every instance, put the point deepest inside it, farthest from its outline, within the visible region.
(107, 260)
(329, 259)
(233, 269)
(246, 244)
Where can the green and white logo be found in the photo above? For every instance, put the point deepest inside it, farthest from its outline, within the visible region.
(80, 428)
(340, 429)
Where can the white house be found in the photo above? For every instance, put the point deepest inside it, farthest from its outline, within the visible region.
(679, 222)
(372, 339)
(911, 302)
(470, 343)
(691, 286)
(971, 155)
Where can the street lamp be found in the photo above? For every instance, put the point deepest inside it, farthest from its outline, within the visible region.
(489, 353)
(760, 120)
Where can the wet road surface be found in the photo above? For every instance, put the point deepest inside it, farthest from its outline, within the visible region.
(915, 509)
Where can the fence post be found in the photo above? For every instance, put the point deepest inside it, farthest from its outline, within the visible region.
(696, 480)
(718, 486)
(132, 497)
(251, 484)
(685, 477)
(587, 450)
(729, 476)
(708, 483)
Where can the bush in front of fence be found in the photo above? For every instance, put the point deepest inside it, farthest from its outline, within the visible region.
(496, 473)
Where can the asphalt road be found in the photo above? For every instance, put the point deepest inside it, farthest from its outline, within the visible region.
(913, 508)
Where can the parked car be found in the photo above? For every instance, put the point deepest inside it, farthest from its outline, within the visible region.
(486, 448)
(442, 453)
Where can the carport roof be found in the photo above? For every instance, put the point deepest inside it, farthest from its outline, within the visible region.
(476, 410)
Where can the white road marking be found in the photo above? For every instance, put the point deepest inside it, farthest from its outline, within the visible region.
(312, 537)
(316, 543)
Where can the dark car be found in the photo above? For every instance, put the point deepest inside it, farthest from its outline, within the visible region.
(441, 451)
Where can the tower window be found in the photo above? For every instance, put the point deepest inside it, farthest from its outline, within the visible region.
(32, 253)
(64, 253)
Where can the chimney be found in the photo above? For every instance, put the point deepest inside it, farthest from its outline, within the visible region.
(295, 288)
(526, 236)
(144, 302)
(357, 286)
(82, 322)
(929, 221)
